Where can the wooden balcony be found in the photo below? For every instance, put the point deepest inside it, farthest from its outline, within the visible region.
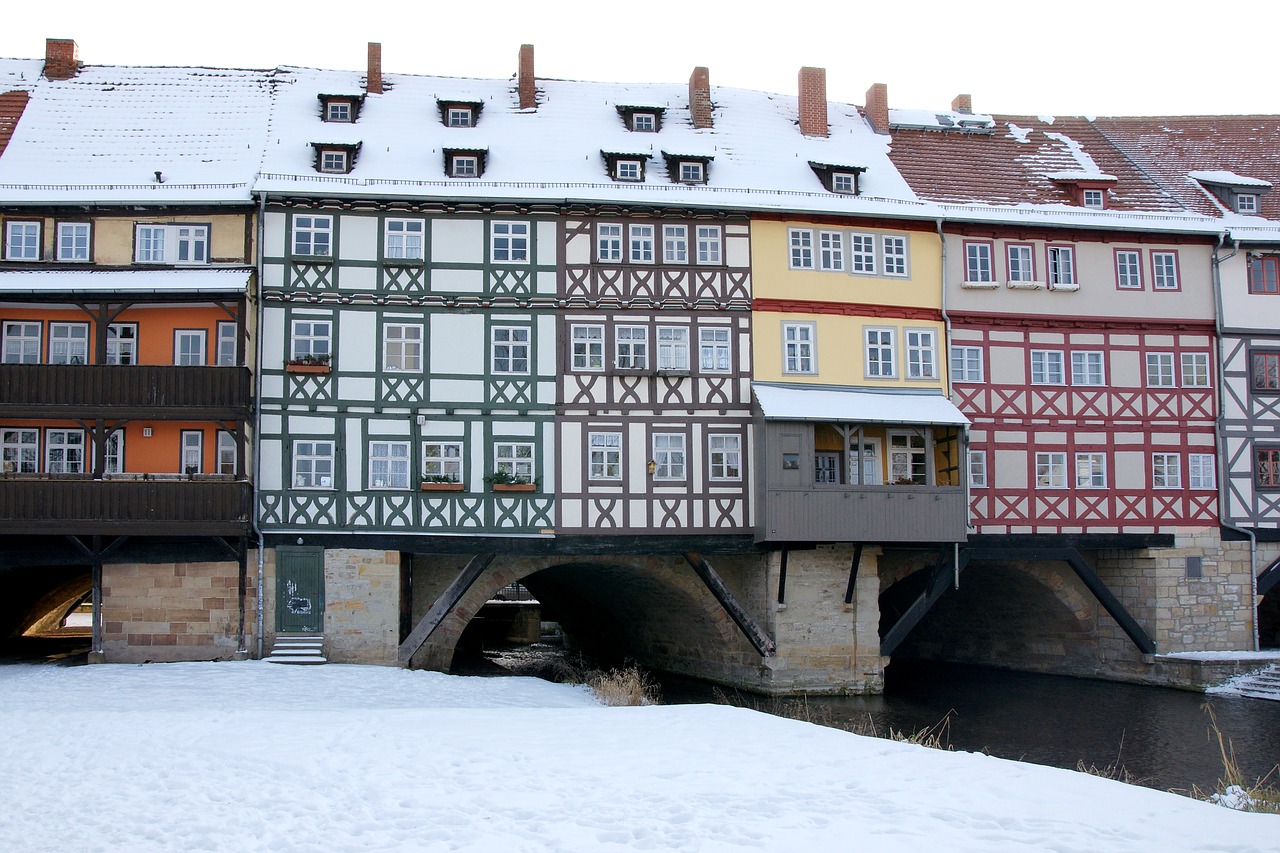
(75, 504)
(125, 391)
(863, 514)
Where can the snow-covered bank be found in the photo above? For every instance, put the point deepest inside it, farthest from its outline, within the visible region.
(249, 756)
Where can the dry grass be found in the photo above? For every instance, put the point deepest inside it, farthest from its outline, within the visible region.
(1234, 791)
(1115, 771)
(626, 686)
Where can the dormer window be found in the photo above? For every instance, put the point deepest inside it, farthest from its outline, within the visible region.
(334, 158)
(460, 117)
(1087, 189)
(464, 163)
(691, 172)
(1240, 193)
(459, 113)
(842, 180)
(644, 122)
(625, 167)
(628, 170)
(639, 119)
(1247, 203)
(334, 161)
(337, 111)
(340, 108)
(687, 168)
(1094, 198)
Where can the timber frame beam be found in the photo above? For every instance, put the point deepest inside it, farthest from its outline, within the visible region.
(755, 635)
(443, 606)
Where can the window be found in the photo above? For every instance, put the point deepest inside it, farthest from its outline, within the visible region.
(228, 338)
(401, 347)
(226, 452)
(644, 122)
(1201, 471)
(114, 461)
(895, 255)
(692, 172)
(1094, 198)
(724, 454)
(192, 450)
(22, 241)
(388, 464)
(64, 451)
(459, 117)
(1164, 271)
(641, 244)
(68, 343)
(73, 241)
(1246, 203)
(673, 348)
(801, 242)
(1195, 370)
(588, 347)
(313, 465)
(797, 348)
(922, 354)
(605, 456)
(1160, 370)
(1091, 470)
(334, 160)
(442, 461)
(337, 111)
(843, 182)
(312, 235)
(178, 244)
(510, 242)
(122, 343)
(1264, 275)
(20, 451)
(1266, 371)
(907, 459)
(464, 166)
(1051, 470)
(880, 352)
(978, 469)
(1267, 468)
(631, 347)
(1086, 369)
(514, 459)
(831, 244)
(189, 347)
(708, 244)
(510, 349)
(404, 239)
(713, 345)
(1046, 367)
(1022, 266)
(627, 170)
(1062, 266)
(668, 456)
(311, 340)
(675, 244)
(1166, 471)
(977, 263)
(862, 251)
(966, 364)
(21, 343)
(1128, 270)
(608, 243)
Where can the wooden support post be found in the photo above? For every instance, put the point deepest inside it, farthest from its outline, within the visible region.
(782, 577)
(853, 573)
(762, 642)
(442, 607)
(939, 583)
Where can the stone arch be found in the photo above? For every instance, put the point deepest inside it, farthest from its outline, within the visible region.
(1269, 620)
(35, 600)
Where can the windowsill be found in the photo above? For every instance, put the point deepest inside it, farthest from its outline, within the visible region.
(312, 259)
(1066, 287)
(306, 368)
(1025, 285)
(403, 262)
(980, 285)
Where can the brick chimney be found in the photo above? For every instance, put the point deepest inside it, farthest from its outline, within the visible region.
(373, 81)
(877, 108)
(962, 104)
(700, 97)
(61, 59)
(526, 82)
(813, 101)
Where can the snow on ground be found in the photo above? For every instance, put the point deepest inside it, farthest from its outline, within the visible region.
(251, 756)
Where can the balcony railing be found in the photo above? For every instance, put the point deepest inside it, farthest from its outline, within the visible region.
(124, 391)
(72, 504)
(863, 514)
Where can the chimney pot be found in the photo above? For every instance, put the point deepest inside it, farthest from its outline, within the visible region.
(526, 81)
(373, 79)
(61, 59)
(700, 97)
(962, 104)
(877, 108)
(813, 101)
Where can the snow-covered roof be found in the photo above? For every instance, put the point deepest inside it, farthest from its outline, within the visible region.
(790, 403)
(939, 120)
(39, 281)
(1080, 176)
(1230, 179)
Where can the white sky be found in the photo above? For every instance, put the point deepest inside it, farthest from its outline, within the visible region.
(1087, 57)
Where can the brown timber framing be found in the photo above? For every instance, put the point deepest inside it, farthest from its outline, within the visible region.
(442, 607)
(755, 635)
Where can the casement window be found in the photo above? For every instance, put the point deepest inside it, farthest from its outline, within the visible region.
(1046, 367)
(192, 452)
(862, 254)
(922, 354)
(226, 452)
(644, 122)
(313, 464)
(1087, 369)
(509, 242)
(798, 348)
(977, 264)
(843, 182)
(22, 241)
(895, 255)
(1062, 266)
(966, 364)
(68, 343)
(713, 348)
(1266, 468)
(826, 467)
(442, 461)
(21, 342)
(122, 343)
(1266, 371)
(401, 347)
(388, 464)
(1021, 262)
(1201, 471)
(978, 469)
(1247, 203)
(336, 160)
(588, 347)
(113, 460)
(1166, 471)
(1051, 470)
(1093, 198)
(669, 456)
(312, 340)
(608, 243)
(631, 347)
(1264, 275)
(831, 250)
(1128, 269)
(510, 349)
(801, 241)
(339, 111)
(403, 239)
(73, 241)
(692, 172)
(1091, 470)
(464, 166)
(20, 451)
(604, 456)
(1195, 369)
(627, 170)
(908, 458)
(1164, 271)
(673, 348)
(312, 235)
(675, 244)
(459, 117)
(64, 451)
(174, 244)
(709, 241)
(724, 454)
(228, 338)
(880, 353)
(1160, 370)
(514, 459)
(189, 347)
(641, 244)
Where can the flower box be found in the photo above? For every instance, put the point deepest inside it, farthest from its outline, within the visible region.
(301, 367)
(515, 487)
(441, 487)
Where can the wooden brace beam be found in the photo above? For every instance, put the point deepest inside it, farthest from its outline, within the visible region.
(442, 607)
(762, 642)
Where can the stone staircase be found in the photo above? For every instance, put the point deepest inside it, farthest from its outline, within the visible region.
(1261, 684)
(297, 649)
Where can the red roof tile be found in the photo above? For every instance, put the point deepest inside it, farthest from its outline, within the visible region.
(11, 106)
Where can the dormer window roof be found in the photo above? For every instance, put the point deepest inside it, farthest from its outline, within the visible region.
(337, 158)
(688, 168)
(1087, 189)
(623, 166)
(641, 119)
(340, 108)
(456, 113)
(465, 162)
(842, 180)
(1239, 193)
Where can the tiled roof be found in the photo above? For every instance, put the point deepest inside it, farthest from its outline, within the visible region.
(11, 106)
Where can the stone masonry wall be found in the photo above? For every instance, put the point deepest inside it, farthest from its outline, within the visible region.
(362, 606)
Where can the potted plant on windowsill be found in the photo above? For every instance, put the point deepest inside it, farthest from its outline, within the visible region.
(308, 363)
(505, 481)
(440, 483)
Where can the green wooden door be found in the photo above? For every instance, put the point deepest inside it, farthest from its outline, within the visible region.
(299, 590)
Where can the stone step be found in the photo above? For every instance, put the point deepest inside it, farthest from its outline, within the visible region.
(297, 649)
(1263, 684)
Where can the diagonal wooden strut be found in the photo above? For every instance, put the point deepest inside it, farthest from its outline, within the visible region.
(763, 643)
(939, 583)
(442, 606)
(1269, 578)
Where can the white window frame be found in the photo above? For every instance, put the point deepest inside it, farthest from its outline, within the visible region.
(1047, 367)
(1091, 470)
(608, 243)
(669, 456)
(313, 465)
(1160, 370)
(335, 160)
(894, 255)
(148, 242)
(191, 452)
(631, 347)
(715, 354)
(675, 244)
(514, 458)
(1051, 470)
(1194, 370)
(922, 353)
(509, 242)
(389, 464)
(311, 337)
(979, 267)
(692, 172)
(843, 183)
(404, 239)
(881, 352)
(1095, 199)
(710, 244)
(1164, 271)
(641, 244)
(800, 242)
(724, 456)
(604, 456)
(68, 343)
(1247, 203)
(966, 364)
(1061, 266)
(460, 117)
(644, 122)
(1166, 470)
(587, 347)
(68, 447)
(1128, 269)
(799, 350)
(75, 242)
(113, 463)
(1020, 259)
(464, 166)
(831, 251)
(908, 457)
(226, 460)
(978, 469)
(20, 450)
(402, 345)
(673, 348)
(122, 343)
(1088, 367)
(509, 345)
(22, 240)
(442, 459)
(1202, 471)
(862, 254)
(627, 170)
(23, 341)
(228, 339)
(338, 111)
(312, 235)
(187, 356)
